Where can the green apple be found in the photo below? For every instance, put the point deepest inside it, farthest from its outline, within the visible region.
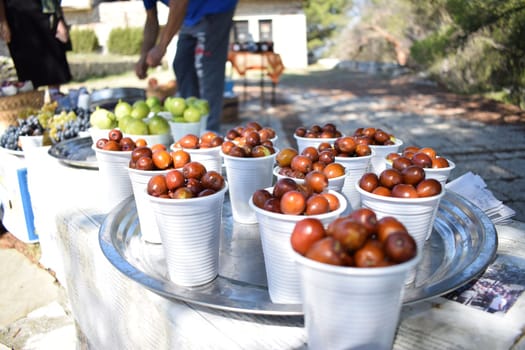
(175, 105)
(202, 105)
(158, 125)
(136, 127)
(192, 114)
(123, 123)
(156, 108)
(153, 101)
(140, 110)
(122, 109)
(191, 100)
(102, 118)
(178, 120)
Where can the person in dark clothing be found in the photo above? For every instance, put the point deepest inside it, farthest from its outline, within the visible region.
(37, 37)
(203, 28)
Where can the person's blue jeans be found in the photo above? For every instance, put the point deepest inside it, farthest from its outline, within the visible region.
(199, 64)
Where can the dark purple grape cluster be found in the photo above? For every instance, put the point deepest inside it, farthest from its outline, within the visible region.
(29, 126)
(72, 128)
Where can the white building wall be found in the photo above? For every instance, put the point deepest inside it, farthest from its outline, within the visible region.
(288, 24)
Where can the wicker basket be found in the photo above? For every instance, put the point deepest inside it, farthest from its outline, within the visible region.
(12, 106)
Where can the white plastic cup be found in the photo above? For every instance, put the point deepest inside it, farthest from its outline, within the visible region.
(190, 233)
(113, 175)
(356, 167)
(178, 130)
(334, 184)
(31, 141)
(204, 124)
(245, 176)
(275, 230)
(440, 174)
(416, 214)
(377, 163)
(303, 142)
(209, 157)
(97, 134)
(147, 221)
(350, 307)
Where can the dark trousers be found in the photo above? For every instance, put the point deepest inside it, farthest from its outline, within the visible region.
(200, 60)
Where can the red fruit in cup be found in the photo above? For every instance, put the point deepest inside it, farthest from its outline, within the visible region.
(305, 233)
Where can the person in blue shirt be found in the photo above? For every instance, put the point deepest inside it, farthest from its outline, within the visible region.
(203, 28)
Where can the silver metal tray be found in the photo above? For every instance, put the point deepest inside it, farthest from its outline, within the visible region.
(462, 245)
(76, 152)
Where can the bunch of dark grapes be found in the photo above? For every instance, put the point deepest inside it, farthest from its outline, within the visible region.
(29, 126)
(72, 128)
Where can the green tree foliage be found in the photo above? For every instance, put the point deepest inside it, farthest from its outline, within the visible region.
(324, 18)
(485, 40)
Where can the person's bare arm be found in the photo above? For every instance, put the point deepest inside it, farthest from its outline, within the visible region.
(176, 15)
(151, 31)
(5, 31)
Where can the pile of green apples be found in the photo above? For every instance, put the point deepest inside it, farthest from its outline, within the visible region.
(133, 119)
(186, 110)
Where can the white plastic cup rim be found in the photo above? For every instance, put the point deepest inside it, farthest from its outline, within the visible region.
(249, 159)
(121, 154)
(357, 271)
(196, 150)
(451, 166)
(149, 172)
(287, 217)
(151, 139)
(343, 160)
(397, 143)
(181, 201)
(397, 199)
(273, 140)
(317, 139)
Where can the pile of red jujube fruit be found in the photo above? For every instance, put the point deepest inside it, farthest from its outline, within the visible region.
(157, 157)
(251, 140)
(116, 142)
(208, 139)
(358, 239)
(327, 131)
(374, 136)
(239, 132)
(193, 180)
(290, 198)
(425, 157)
(293, 164)
(407, 183)
(350, 146)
